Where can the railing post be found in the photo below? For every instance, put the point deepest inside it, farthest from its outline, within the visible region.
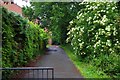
(53, 74)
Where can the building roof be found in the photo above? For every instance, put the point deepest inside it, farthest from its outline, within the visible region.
(11, 6)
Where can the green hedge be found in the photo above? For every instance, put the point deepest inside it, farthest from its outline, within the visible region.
(95, 36)
(22, 40)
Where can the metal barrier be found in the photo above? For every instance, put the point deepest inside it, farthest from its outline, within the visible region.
(41, 73)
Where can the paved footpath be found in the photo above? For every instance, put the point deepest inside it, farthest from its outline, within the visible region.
(57, 58)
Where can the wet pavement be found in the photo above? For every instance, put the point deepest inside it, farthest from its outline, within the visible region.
(63, 66)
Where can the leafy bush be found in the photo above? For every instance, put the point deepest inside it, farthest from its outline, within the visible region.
(18, 36)
(94, 35)
(55, 16)
(22, 40)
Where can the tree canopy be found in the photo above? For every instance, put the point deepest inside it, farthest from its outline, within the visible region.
(55, 16)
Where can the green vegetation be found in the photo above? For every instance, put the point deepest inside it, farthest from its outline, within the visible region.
(86, 70)
(95, 36)
(92, 29)
(55, 16)
(22, 40)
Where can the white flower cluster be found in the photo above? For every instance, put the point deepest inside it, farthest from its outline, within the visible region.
(108, 28)
(108, 43)
(101, 31)
(97, 43)
(95, 25)
(104, 20)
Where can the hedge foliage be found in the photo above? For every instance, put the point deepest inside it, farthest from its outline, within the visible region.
(22, 40)
(95, 36)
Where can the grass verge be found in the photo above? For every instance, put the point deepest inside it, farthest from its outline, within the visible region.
(86, 69)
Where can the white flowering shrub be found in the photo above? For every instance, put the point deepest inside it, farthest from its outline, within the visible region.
(95, 33)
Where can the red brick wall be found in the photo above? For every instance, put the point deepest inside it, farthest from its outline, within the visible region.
(13, 7)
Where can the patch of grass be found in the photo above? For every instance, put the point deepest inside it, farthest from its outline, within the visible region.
(86, 69)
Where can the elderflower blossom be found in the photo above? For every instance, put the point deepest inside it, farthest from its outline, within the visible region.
(108, 43)
(107, 28)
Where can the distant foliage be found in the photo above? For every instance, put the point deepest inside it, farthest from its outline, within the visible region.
(55, 16)
(28, 12)
(95, 35)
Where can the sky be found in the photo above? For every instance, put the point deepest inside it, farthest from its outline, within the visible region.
(22, 3)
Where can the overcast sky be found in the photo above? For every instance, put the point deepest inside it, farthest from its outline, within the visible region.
(22, 3)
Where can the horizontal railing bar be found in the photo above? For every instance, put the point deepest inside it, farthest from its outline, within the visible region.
(28, 68)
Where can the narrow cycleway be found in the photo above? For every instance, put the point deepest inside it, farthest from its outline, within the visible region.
(57, 58)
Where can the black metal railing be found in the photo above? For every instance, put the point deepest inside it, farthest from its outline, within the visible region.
(41, 73)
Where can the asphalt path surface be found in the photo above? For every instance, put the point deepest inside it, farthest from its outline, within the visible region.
(63, 67)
